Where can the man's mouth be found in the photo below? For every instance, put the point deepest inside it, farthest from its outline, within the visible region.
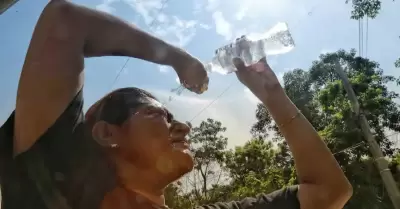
(180, 143)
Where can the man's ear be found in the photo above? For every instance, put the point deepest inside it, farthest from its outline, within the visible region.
(103, 133)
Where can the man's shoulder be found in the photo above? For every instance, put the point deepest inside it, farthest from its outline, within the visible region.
(285, 198)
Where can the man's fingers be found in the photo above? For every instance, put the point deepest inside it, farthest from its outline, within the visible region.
(198, 88)
(204, 87)
(239, 64)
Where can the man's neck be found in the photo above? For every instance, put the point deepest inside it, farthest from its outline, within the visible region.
(143, 182)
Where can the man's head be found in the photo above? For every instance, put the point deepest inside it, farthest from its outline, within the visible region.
(137, 128)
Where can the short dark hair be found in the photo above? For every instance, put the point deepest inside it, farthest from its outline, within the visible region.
(115, 107)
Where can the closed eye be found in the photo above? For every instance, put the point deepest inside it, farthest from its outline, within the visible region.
(170, 117)
(156, 111)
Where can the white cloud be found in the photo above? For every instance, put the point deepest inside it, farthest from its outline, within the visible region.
(149, 10)
(212, 5)
(176, 31)
(267, 8)
(235, 18)
(162, 18)
(171, 28)
(198, 7)
(250, 96)
(106, 6)
(204, 26)
(222, 26)
(164, 68)
(241, 13)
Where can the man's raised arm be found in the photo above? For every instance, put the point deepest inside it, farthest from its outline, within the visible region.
(323, 184)
(53, 70)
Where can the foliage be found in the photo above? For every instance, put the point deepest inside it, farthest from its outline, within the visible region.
(208, 148)
(362, 8)
(369, 9)
(258, 167)
(397, 63)
(175, 198)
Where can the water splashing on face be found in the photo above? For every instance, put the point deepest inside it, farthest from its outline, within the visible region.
(177, 91)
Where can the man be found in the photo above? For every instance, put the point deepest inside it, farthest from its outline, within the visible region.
(128, 148)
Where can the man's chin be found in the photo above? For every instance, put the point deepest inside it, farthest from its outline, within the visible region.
(184, 160)
(178, 162)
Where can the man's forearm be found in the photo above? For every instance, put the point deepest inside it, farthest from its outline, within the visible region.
(314, 162)
(102, 34)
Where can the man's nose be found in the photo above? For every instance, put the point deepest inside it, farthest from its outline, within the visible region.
(180, 128)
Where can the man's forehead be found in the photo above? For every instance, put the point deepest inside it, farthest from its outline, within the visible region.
(155, 103)
(132, 101)
(144, 101)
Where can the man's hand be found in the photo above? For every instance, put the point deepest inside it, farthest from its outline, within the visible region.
(259, 78)
(191, 73)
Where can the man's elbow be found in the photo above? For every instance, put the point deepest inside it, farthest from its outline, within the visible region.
(58, 9)
(58, 19)
(339, 194)
(345, 191)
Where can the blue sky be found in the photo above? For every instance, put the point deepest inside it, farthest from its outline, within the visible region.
(201, 26)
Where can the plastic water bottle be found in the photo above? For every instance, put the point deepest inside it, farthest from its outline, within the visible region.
(252, 48)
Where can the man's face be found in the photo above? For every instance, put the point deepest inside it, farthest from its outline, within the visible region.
(152, 139)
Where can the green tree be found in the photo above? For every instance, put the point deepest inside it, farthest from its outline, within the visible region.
(367, 8)
(376, 100)
(175, 198)
(362, 8)
(257, 167)
(208, 147)
(341, 130)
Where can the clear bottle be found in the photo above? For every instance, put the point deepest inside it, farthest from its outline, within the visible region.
(252, 48)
